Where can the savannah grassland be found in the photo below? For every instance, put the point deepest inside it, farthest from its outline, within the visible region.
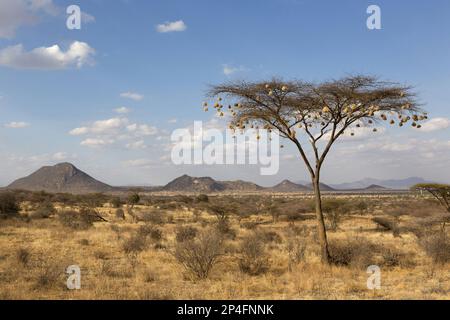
(267, 250)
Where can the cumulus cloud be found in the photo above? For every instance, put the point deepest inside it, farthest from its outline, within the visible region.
(115, 131)
(436, 124)
(132, 95)
(122, 110)
(95, 142)
(17, 125)
(176, 26)
(108, 126)
(47, 58)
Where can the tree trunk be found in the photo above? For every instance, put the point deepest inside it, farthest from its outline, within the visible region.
(325, 253)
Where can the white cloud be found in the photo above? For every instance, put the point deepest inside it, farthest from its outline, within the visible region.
(47, 58)
(229, 70)
(132, 95)
(175, 26)
(172, 121)
(137, 145)
(142, 130)
(17, 125)
(436, 124)
(122, 110)
(95, 142)
(109, 126)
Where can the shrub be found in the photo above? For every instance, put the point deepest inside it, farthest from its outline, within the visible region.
(186, 233)
(334, 210)
(9, 204)
(253, 257)
(393, 258)
(155, 217)
(120, 214)
(355, 253)
(44, 211)
(437, 246)
(84, 242)
(76, 220)
(202, 198)
(23, 256)
(116, 202)
(48, 276)
(296, 248)
(198, 256)
(269, 237)
(148, 231)
(135, 244)
(388, 224)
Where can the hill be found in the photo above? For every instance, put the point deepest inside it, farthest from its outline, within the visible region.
(186, 183)
(61, 178)
(289, 186)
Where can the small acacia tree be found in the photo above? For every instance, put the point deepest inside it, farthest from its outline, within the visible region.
(441, 192)
(322, 112)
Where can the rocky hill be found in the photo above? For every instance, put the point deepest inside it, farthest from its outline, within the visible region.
(63, 178)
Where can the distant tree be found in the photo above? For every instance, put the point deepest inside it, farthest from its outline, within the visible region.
(322, 112)
(133, 199)
(441, 192)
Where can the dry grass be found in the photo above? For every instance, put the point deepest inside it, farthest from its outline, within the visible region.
(122, 259)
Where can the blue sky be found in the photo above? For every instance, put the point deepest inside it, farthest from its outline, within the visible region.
(168, 72)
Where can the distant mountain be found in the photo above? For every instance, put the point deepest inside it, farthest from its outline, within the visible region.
(186, 183)
(289, 186)
(375, 187)
(323, 187)
(391, 184)
(63, 177)
(191, 184)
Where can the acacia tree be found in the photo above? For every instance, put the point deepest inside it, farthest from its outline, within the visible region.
(320, 112)
(440, 192)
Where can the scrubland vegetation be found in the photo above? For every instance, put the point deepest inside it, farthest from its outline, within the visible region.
(222, 246)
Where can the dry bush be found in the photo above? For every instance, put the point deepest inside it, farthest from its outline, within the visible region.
(388, 224)
(186, 233)
(437, 246)
(394, 258)
(269, 236)
(44, 211)
(360, 253)
(116, 270)
(23, 256)
(134, 244)
(249, 225)
(355, 253)
(155, 217)
(253, 258)
(48, 276)
(84, 242)
(149, 231)
(120, 214)
(296, 248)
(198, 256)
(76, 220)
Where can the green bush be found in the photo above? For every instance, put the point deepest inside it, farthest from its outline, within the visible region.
(9, 204)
